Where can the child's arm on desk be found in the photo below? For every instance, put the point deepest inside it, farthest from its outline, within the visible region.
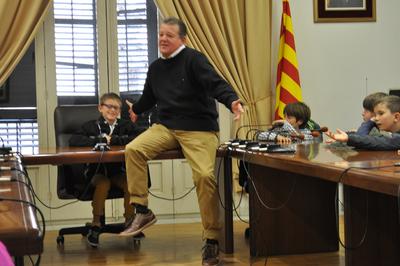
(340, 135)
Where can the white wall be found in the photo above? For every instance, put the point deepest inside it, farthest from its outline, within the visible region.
(340, 63)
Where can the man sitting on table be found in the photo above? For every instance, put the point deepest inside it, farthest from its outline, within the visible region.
(387, 118)
(184, 85)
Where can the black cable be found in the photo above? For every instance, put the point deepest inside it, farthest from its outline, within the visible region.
(231, 189)
(235, 208)
(217, 177)
(257, 131)
(32, 205)
(35, 196)
(88, 185)
(258, 195)
(219, 195)
(173, 199)
(52, 207)
(265, 205)
(29, 256)
(31, 189)
(37, 263)
(43, 222)
(29, 184)
(361, 242)
(244, 126)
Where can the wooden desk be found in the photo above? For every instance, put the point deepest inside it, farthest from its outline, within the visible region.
(19, 228)
(71, 155)
(306, 182)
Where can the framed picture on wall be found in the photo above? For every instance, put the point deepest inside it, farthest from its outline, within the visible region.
(4, 92)
(344, 10)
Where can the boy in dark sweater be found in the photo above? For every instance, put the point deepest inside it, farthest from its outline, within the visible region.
(368, 126)
(108, 128)
(387, 118)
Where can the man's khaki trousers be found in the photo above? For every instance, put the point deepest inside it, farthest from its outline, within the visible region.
(198, 147)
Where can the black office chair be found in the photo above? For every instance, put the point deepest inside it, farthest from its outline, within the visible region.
(71, 183)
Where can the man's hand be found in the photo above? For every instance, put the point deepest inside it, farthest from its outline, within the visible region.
(132, 115)
(237, 109)
(340, 135)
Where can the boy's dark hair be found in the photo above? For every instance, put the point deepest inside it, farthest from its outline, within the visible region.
(370, 100)
(392, 102)
(176, 21)
(110, 95)
(299, 110)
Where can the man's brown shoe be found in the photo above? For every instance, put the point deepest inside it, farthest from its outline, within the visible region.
(210, 255)
(141, 222)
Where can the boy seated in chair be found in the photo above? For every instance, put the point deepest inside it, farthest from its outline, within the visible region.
(112, 130)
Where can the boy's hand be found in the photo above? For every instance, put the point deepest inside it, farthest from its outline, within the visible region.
(339, 136)
(132, 115)
(237, 109)
(283, 140)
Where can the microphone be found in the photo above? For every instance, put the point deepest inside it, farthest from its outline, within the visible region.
(101, 147)
(297, 136)
(247, 126)
(276, 125)
(320, 130)
(317, 132)
(4, 149)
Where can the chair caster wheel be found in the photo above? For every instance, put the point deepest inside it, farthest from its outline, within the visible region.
(247, 233)
(137, 238)
(85, 233)
(60, 240)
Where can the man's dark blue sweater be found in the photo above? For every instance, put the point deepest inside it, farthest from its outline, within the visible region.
(184, 88)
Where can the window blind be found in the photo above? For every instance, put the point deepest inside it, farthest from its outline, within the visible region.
(133, 48)
(75, 47)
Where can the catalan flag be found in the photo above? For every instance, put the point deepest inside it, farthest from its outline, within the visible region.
(288, 88)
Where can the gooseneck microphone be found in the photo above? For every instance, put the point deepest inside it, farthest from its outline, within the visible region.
(317, 132)
(277, 125)
(253, 126)
(101, 146)
(4, 149)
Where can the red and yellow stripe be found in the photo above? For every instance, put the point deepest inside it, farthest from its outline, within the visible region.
(288, 88)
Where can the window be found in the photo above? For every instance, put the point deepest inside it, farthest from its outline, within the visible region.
(76, 50)
(18, 123)
(137, 45)
(20, 134)
(77, 38)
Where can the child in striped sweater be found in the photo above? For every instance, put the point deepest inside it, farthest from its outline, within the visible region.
(297, 125)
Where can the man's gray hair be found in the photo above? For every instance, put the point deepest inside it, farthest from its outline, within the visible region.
(176, 21)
